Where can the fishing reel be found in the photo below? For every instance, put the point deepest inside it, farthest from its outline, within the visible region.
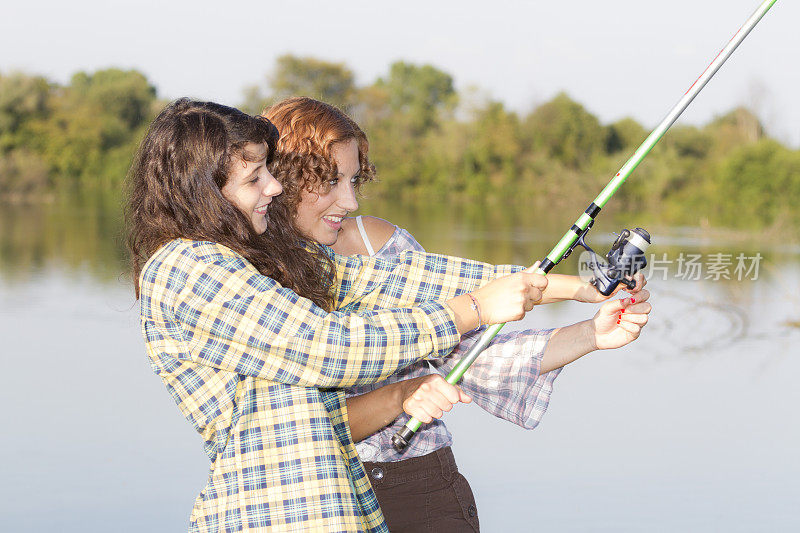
(626, 258)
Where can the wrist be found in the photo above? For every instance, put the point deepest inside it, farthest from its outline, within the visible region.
(405, 389)
(584, 291)
(464, 317)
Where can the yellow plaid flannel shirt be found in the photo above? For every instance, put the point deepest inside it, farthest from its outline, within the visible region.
(258, 371)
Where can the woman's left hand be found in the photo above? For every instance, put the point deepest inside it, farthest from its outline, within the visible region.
(619, 322)
(588, 293)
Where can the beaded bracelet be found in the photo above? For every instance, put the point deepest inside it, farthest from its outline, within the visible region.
(477, 308)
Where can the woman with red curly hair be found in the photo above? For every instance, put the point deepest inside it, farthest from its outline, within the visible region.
(254, 333)
(322, 161)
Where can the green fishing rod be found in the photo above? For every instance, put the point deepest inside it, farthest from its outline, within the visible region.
(629, 247)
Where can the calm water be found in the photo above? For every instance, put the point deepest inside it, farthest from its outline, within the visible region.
(693, 427)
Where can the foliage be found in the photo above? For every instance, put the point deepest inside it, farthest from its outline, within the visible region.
(82, 135)
(304, 76)
(565, 131)
(762, 184)
(427, 141)
(419, 93)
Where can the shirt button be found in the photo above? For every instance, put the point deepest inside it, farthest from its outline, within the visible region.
(377, 473)
(472, 511)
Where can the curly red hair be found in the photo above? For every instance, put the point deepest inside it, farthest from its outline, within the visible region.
(309, 129)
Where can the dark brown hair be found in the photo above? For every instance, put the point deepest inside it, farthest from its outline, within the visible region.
(175, 191)
(308, 131)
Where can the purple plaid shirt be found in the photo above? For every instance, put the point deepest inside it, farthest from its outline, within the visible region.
(504, 381)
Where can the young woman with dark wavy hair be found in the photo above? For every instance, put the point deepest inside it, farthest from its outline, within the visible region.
(321, 161)
(254, 332)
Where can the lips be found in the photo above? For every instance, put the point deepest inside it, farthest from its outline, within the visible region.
(261, 210)
(334, 221)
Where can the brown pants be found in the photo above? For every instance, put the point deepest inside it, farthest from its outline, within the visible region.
(424, 494)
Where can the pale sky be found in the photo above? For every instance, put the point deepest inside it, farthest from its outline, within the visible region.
(618, 58)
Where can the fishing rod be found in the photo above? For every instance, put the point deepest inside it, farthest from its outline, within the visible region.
(627, 253)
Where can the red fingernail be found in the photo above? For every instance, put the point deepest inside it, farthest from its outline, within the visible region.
(617, 321)
(633, 300)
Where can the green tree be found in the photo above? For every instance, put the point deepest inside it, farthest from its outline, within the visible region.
(420, 93)
(125, 94)
(89, 137)
(739, 126)
(493, 149)
(565, 131)
(624, 135)
(760, 185)
(330, 82)
(22, 98)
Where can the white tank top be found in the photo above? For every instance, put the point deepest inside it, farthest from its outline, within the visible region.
(364, 237)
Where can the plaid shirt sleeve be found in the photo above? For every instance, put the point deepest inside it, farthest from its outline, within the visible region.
(505, 380)
(374, 282)
(226, 315)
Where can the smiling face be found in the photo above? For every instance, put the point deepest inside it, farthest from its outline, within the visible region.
(250, 186)
(320, 213)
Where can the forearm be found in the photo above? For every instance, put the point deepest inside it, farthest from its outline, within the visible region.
(561, 287)
(370, 412)
(568, 344)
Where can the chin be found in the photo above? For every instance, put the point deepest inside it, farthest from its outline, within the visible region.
(261, 224)
(327, 238)
(260, 227)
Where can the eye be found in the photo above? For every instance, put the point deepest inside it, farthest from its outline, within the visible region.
(355, 179)
(333, 182)
(254, 180)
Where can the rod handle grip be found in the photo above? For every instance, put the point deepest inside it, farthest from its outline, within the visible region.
(402, 438)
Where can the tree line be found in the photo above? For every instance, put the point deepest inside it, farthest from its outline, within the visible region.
(427, 140)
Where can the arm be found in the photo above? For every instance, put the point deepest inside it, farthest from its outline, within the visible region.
(563, 287)
(204, 303)
(424, 397)
(505, 292)
(507, 380)
(371, 411)
(513, 378)
(409, 278)
(560, 286)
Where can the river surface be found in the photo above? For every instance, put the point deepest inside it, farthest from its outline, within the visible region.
(693, 427)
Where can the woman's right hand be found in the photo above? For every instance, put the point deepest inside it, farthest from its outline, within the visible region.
(429, 397)
(508, 298)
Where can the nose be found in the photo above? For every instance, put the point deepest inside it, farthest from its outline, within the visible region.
(273, 187)
(347, 197)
